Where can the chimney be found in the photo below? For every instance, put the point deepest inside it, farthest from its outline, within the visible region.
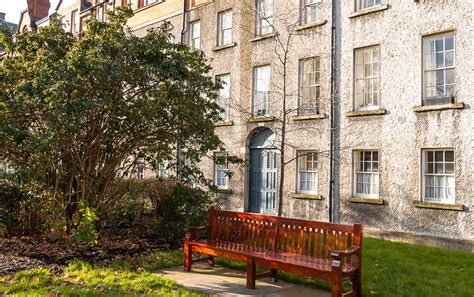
(37, 9)
(2, 16)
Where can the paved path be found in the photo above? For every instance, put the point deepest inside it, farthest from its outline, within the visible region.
(222, 281)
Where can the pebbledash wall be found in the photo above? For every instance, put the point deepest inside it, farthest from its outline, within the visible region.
(400, 129)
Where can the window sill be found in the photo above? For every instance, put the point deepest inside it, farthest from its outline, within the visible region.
(377, 201)
(369, 10)
(311, 25)
(306, 196)
(308, 117)
(434, 205)
(147, 6)
(224, 124)
(362, 113)
(262, 37)
(458, 105)
(260, 119)
(224, 191)
(221, 47)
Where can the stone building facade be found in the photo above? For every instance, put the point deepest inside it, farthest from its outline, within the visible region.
(378, 121)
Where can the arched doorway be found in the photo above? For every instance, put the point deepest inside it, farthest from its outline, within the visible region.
(262, 173)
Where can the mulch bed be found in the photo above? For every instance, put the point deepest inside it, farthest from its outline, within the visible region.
(18, 253)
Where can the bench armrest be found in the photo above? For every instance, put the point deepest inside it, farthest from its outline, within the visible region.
(353, 250)
(192, 231)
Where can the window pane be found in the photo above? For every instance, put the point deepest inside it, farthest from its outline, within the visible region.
(449, 156)
(449, 43)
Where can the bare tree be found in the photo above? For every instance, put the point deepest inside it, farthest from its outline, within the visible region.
(286, 26)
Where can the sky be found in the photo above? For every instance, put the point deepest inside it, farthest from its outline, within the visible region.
(13, 8)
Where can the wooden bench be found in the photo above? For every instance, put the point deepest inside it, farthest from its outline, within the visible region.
(321, 250)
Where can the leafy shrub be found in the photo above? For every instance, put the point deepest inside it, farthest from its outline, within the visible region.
(127, 204)
(183, 207)
(134, 202)
(85, 229)
(22, 209)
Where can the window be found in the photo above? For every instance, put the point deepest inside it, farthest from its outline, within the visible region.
(224, 96)
(366, 174)
(85, 4)
(363, 4)
(195, 35)
(185, 168)
(261, 91)
(307, 172)
(264, 21)
(438, 175)
(221, 171)
(142, 3)
(367, 78)
(225, 28)
(99, 11)
(309, 86)
(74, 22)
(171, 37)
(124, 2)
(311, 11)
(162, 170)
(438, 68)
(140, 172)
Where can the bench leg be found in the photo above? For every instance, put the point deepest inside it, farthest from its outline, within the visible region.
(274, 275)
(357, 284)
(251, 273)
(336, 287)
(210, 260)
(188, 258)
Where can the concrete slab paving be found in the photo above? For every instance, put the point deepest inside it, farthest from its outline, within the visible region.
(223, 281)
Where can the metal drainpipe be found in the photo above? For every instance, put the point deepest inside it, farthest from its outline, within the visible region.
(185, 10)
(333, 101)
(183, 33)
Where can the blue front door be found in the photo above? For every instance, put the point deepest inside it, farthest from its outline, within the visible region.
(262, 181)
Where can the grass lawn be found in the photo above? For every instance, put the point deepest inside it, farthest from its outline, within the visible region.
(389, 269)
(125, 277)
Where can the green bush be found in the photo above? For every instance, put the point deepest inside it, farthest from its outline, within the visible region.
(85, 229)
(128, 205)
(21, 208)
(183, 207)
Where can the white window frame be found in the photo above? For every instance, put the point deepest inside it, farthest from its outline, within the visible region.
(140, 172)
(447, 177)
(261, 91)
(223, 99)
(162, 170)
(367, 86)
(148, 2)
(264, 17)
(432, 53)
(308, 9)
(221, 169)
(302, 156)
(221, 30)
(366, 4)
(195, 35)
(75, 21)
(359, 168)
(315, 84)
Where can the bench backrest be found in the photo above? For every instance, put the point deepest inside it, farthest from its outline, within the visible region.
(295, 236)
